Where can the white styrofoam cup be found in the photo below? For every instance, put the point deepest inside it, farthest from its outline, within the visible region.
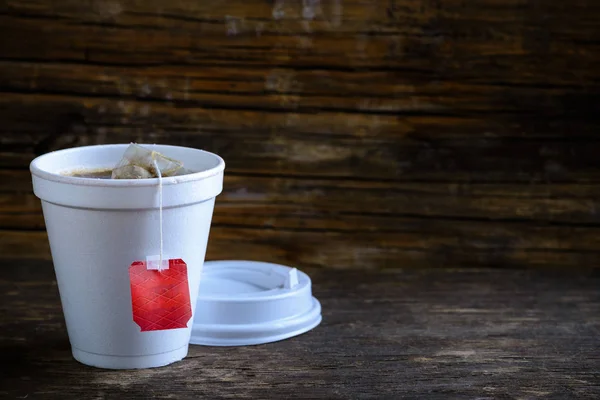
(98, 227)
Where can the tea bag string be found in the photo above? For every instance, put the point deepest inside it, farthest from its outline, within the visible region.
(160, 212)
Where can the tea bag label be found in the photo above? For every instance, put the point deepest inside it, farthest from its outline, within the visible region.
(160, 298)
(157, 262)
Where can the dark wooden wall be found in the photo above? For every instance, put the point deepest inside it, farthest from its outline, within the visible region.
(358, 134)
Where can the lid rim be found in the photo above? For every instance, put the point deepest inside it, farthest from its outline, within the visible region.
(267, 336)
(258, 341)
(282, 323)
(285, 308)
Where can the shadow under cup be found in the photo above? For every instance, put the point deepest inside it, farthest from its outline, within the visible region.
(98, 227)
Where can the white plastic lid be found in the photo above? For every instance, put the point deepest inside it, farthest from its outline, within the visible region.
(247, 302)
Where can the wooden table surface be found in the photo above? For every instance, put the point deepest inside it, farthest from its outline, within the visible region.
(432, 333)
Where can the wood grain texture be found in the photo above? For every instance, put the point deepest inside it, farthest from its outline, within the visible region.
(433, 334)
(311, 222)
(361, 134)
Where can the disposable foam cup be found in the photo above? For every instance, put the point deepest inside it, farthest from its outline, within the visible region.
(98, 227)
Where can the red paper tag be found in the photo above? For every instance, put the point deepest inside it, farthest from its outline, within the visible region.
(160, 298)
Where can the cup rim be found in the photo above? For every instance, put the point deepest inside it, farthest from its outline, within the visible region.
(79, 181)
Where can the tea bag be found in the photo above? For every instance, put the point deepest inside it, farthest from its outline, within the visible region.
(160, 295)
(139, 163)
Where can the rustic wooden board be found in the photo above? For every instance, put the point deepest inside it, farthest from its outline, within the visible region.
(495, 38)
(311, 222)
(356, 134)
(323, 144)
(407, 243)
(553, 203)
(432, 334)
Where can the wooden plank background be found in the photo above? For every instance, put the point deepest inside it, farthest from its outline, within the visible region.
(357, 134)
